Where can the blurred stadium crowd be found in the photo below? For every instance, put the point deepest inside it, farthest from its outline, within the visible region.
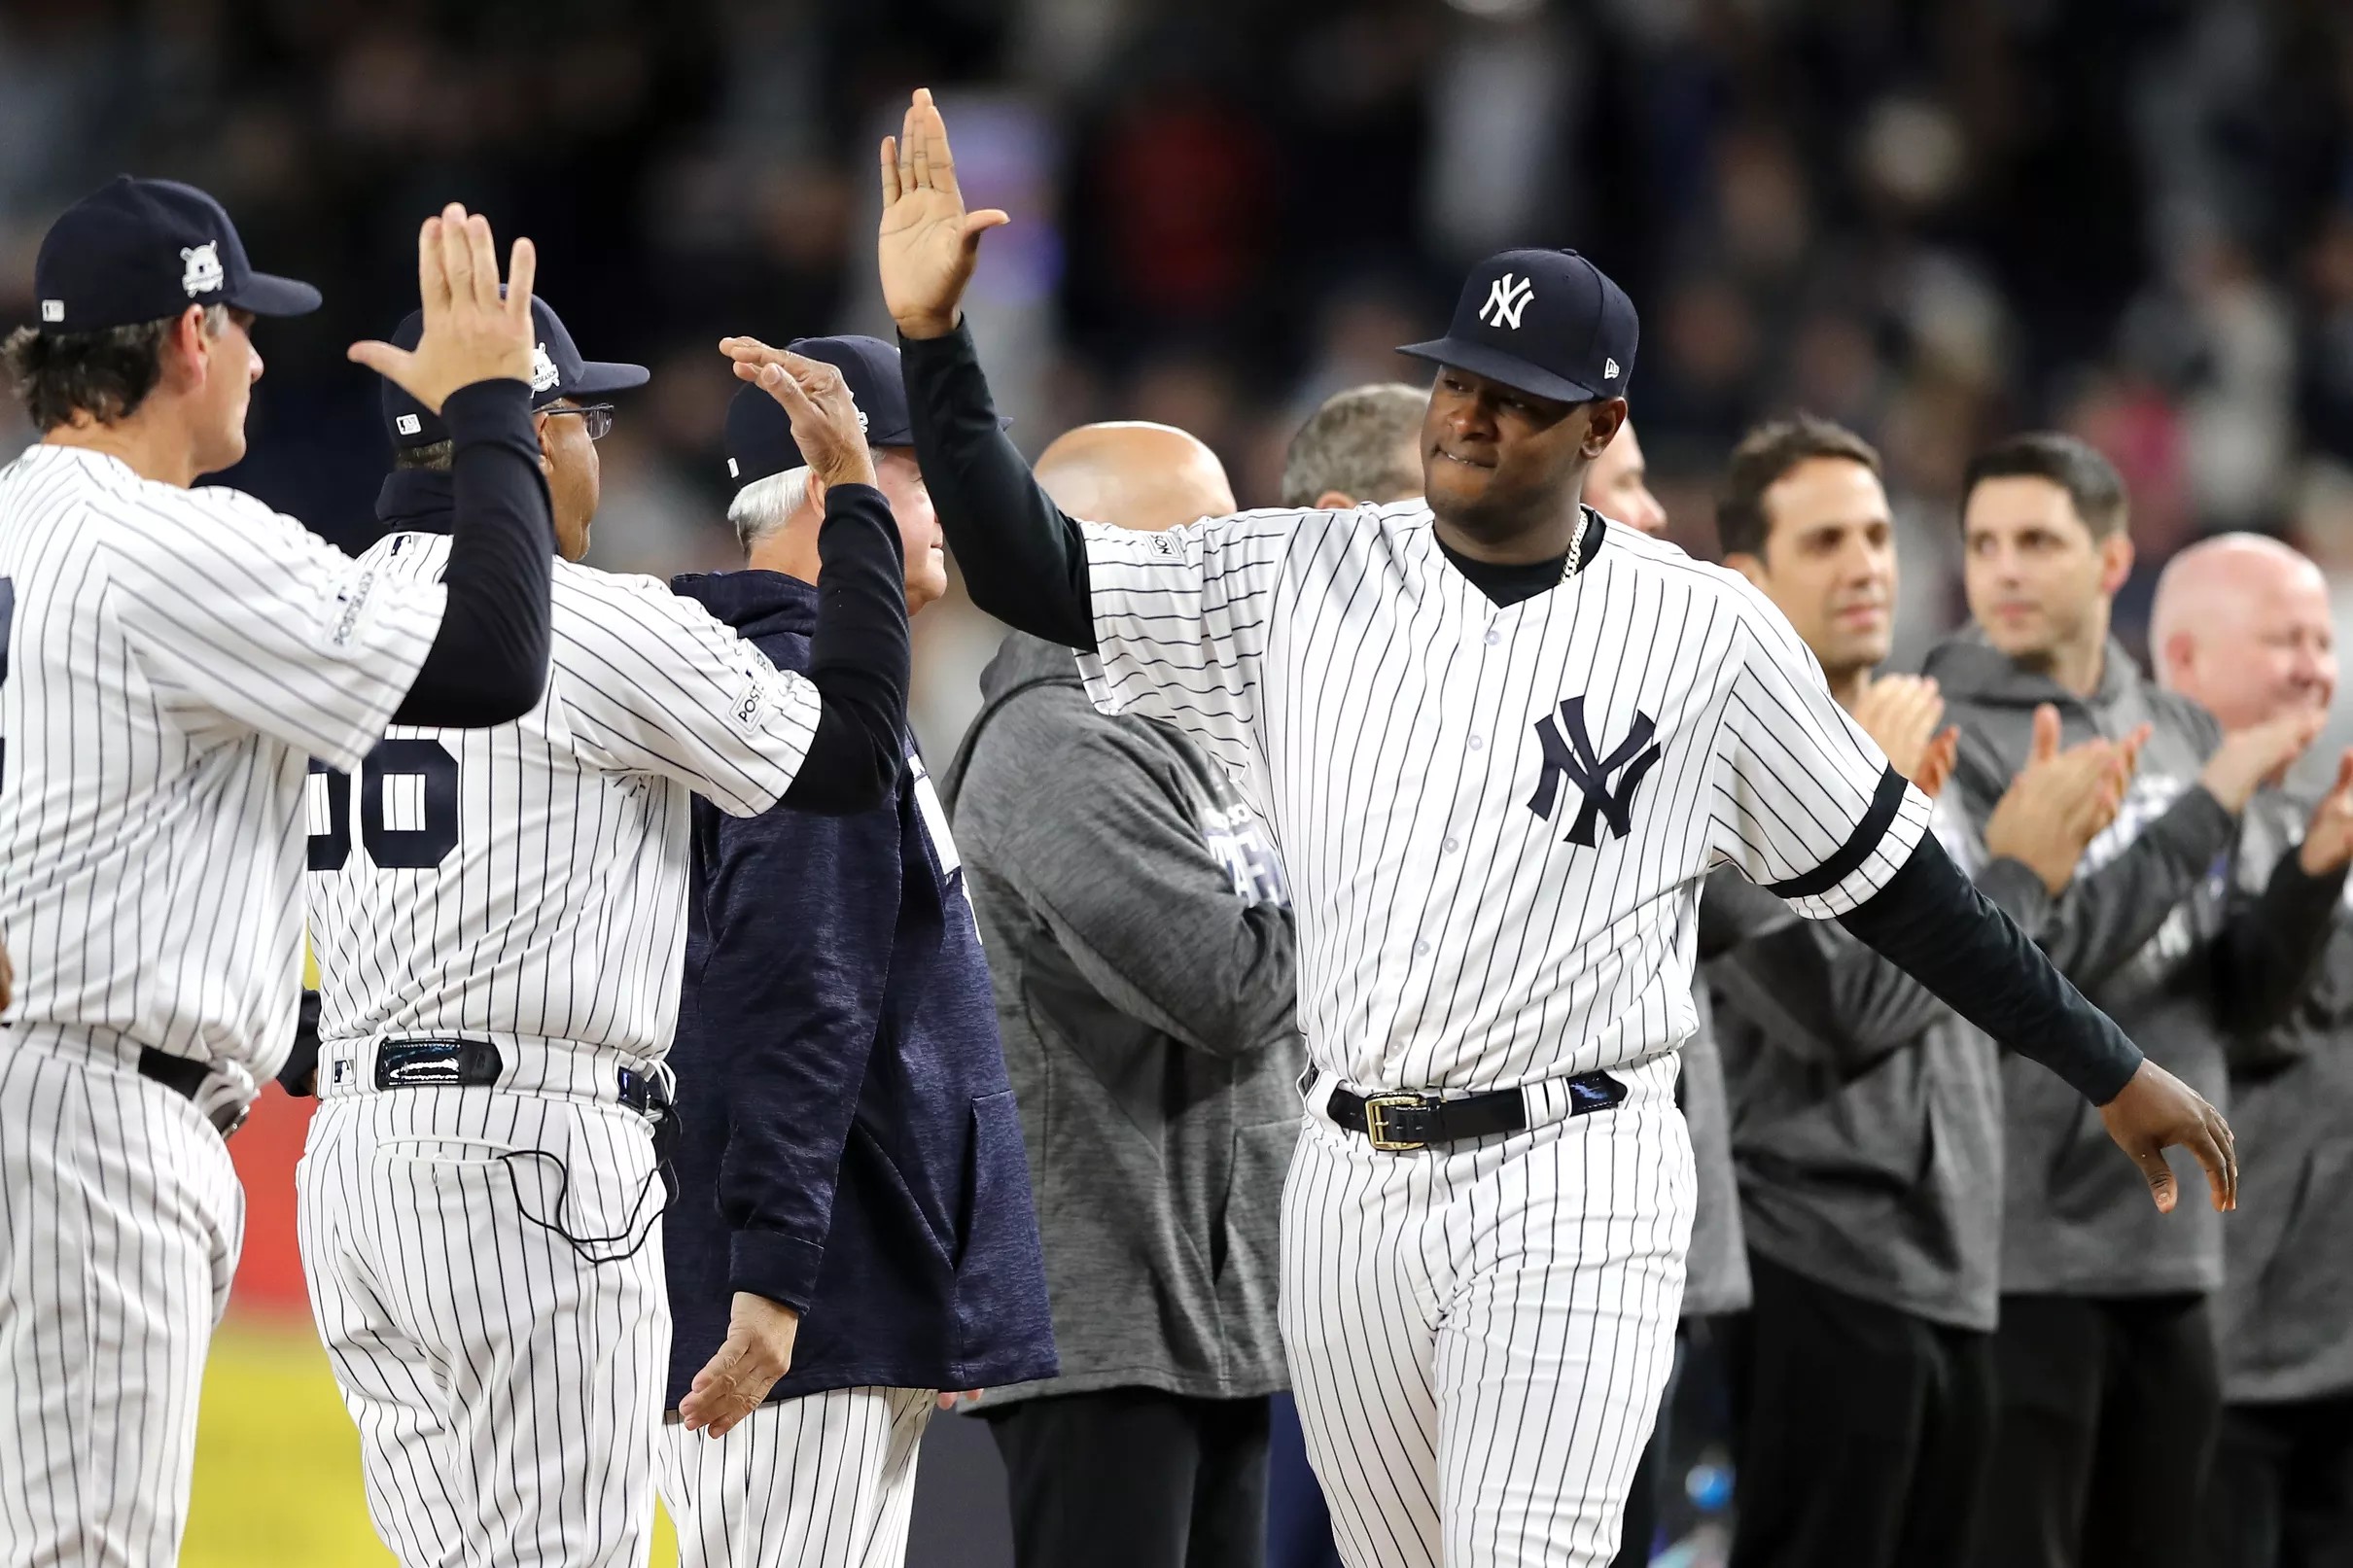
(1933, 220)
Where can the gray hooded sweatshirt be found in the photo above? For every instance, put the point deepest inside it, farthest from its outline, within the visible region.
(2150, 932)
(1867, 1123)
(2286, 1318)
(1139, 941)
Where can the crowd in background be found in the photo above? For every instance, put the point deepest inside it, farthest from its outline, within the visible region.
(1933, 220)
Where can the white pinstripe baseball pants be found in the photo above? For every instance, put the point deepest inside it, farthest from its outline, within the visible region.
(121, 1217)
(1479, 1334)
(827, 1481)
(507, 1392)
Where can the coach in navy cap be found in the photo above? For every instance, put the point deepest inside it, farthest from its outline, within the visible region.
(836, 1032)
(569, 421)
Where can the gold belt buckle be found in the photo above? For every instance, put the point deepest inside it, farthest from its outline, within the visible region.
(1376, 1121)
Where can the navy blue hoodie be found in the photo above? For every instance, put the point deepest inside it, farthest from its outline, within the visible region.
(849, 1143)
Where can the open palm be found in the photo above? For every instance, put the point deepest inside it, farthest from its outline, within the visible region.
(929, 243)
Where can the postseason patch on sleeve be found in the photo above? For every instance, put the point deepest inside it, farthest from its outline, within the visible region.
(350, 608)
(749, 711)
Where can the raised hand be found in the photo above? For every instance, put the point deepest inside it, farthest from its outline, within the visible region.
(2327, 845)
(735, 1381)
(929, 243)
(1900, 711)
(2257, 755)
(818, 401)
(2157, 1111)
(471, 332)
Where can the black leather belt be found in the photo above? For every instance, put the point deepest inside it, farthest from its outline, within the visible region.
(478, 1064)
(186, 1077)
(1400, 1123)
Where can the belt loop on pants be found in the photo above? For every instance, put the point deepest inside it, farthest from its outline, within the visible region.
(1400, 1121)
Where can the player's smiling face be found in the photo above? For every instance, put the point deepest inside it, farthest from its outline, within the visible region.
(1498, 463)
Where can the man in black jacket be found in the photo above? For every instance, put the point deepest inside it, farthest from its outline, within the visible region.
(854, 1230)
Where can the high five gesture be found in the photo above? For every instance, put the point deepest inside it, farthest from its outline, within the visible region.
(929, 243)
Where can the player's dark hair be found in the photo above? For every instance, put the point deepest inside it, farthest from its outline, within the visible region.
(1351, 445)
(1764, 458)
(106, 374)
(434, 457)
(2090, 481)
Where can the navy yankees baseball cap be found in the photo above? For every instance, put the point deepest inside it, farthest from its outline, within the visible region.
(1546, 321)
(759, 433)
(142, 250)
(557, 370)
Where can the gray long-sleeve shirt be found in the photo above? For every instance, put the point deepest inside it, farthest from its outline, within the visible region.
(1867, 1130)
(2149, 930)
(1139, 940)
(2286, 1310)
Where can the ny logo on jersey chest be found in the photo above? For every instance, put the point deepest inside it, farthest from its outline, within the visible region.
(1569, 756)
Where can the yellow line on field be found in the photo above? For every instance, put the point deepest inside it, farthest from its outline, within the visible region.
(278, 1461)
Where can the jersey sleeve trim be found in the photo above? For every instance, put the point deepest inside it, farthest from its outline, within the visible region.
(1885, 801)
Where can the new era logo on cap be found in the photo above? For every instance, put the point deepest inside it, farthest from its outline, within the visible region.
(408, 424)
(52, 310)
(1609, 371)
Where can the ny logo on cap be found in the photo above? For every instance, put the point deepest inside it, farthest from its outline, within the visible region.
(544, 376)
(1506, 298)
(202, 274)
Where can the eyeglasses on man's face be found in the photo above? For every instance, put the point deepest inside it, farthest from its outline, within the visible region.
(596, 418)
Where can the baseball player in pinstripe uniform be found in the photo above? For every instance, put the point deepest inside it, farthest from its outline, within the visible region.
(1498, 741)
(498, 917)
(168, 656)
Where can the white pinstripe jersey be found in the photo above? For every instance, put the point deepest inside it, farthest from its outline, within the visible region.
(530, 880)
(172, 657)
(1495, 818)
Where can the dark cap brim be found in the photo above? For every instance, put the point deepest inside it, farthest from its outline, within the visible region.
(1497, 366)
(608, 375)
(267, 295)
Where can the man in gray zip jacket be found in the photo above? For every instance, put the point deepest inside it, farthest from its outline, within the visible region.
(2241, 625)
(2110, 1391)
(1139, 939)
(1867, 1115)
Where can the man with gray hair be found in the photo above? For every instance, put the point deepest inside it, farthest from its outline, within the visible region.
(840, 1085)
(1363, 447)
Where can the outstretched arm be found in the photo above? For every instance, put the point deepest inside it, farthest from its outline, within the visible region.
(1023, 561)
